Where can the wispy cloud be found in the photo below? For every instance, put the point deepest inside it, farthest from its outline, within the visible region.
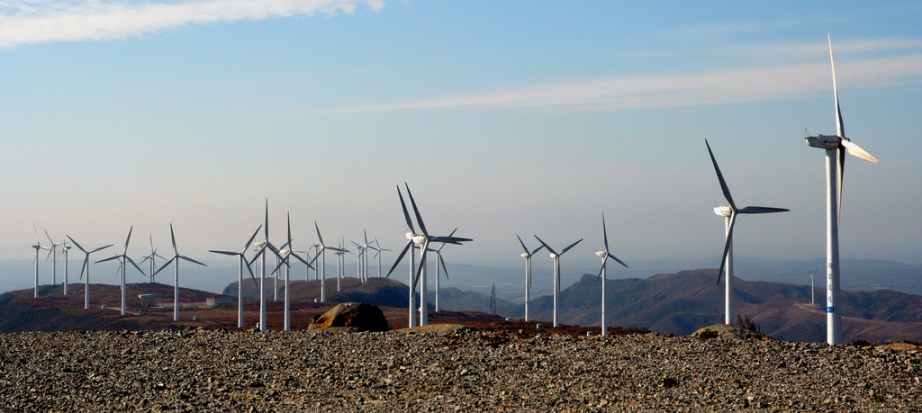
(685, 89)
(24, 22)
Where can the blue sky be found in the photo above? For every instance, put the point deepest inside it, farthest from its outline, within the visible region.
(528, 117)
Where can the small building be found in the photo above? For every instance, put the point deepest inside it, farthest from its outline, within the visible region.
(215, 302)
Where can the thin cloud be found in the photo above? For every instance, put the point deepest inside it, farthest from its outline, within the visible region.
(681, 90)
(43, 21)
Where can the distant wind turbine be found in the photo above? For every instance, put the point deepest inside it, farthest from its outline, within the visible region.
(37, 246)
(242, 262)
(729, 213)
(64, 250)
(556, 257)
(175, 260)
(378, 251)
(323, 266)
(835, 147)
(285, 253)
(439, 261)
(86, 268)
(527, 255)
(813, 287)
(151, 258)
(123, 260)
(52, 253)
(605, 255)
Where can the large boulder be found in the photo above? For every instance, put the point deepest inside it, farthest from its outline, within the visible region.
(360, 316)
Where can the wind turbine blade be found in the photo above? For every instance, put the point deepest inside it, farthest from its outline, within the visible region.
(97, 249)
(266, 227)
(856, 150)
(720, 177)
(191, 260)
(289, 230)
(761, 210)
(604, 233)
(617, 260)
(840, 126)
(249, 269)
(50, 251)
(839, 179)
(406, 214)
(419, 218)
(108, 259)
(442, 261)
(173, 236)
(49, 236)
(400, 257)
(570, 246)
(220, 252)
(134, 264)
(544, 244)
(320, 237)
(167, 263)
(605, 261)
(75, 243)
(727, 244)
(523, 243)
(536, 249)
(298, 257)
(86, 262)
(128, 239)
(250, 241)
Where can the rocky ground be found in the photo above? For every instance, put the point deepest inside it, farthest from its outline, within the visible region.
(217, 370)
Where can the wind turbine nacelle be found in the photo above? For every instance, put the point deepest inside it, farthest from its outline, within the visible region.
(602, 254)
(723, 210)
(525, 255)
(553, 255)
(824, 141)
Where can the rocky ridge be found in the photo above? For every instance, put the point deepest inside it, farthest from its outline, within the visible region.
(209, 370)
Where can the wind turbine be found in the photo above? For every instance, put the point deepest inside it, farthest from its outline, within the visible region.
(153, 255)
(527, 255)
(729, 213)
(285, 253)
(439, 261)
(52, 253)
(422, 240)
(378, 251)
(812, 287)
(835, 147)
(323, 266)
(64, 250)
(243, 262)
(86, 267)
(175, 260)
(341, 263)
(122, 267)
(556, 257)
(37, 246)
(605, 255)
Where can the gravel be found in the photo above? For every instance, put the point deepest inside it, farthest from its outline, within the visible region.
(213, 370)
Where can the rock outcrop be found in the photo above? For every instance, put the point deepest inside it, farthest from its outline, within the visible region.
(360, 316)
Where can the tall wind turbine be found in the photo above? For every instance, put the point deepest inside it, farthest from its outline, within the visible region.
(835, 147)
(86, 268)
(175, 260)
(37, 246)
(122, 267)
(243, 262)
(323, 266)
(556, 257)
(729, 213)
(151, 258)
(527, 255)
(422, 240)
(64, 250)
(812, 287)
(378, 251)
(285, 253)
(439, 261)
(605, 255)
(52, 253)
(341, 263)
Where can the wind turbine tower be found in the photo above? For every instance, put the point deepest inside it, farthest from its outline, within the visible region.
(835, 147)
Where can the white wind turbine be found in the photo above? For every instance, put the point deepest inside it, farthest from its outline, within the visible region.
(341, 263)
(37, 246)
(729, 213)
(439, 261)
(151, 258)
(527, 255)
(175, 260)
(835, 147)
(605, 255)
(813, 287)
(261, 247)
(378, 251)
(285, 253)
(86, 268)
(122, 267)
(323, 266)
(243, 262)
(64, 250)
(556, 257)
(52, 253)
(422, 240)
